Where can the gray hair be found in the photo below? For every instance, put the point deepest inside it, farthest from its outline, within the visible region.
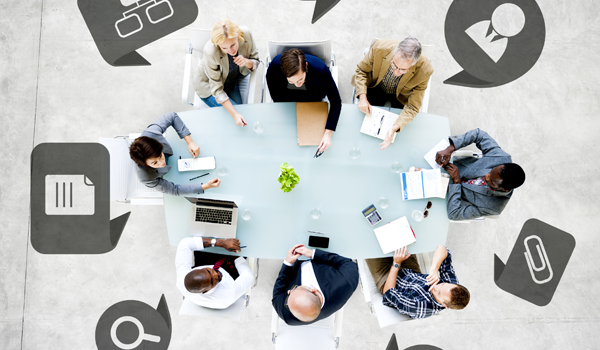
(409, 49)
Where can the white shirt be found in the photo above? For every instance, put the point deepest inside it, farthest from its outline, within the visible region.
(308, 277)
(226, 292)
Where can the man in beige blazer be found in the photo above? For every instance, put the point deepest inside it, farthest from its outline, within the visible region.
(230, 46)
(394, 71)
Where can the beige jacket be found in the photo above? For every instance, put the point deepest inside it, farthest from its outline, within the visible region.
(213, 69)
(411, 88)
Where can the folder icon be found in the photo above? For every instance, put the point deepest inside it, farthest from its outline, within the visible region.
(69, 195)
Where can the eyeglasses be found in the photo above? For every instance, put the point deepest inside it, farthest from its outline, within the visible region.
(428, 206)
(293, 289)
(395, 67)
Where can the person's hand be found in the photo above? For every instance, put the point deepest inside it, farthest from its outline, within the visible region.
(389, 136)
(241, 61)
(194, 149)
(231, 244)
(400, 255)
(453, 171)
(293, 254)
(443, 157)
(239, 120)
(214, 183)
(325, 141)
(432, 279)
(307, 252)
(364, 105)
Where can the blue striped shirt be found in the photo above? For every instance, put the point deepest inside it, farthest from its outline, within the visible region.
(411, 295)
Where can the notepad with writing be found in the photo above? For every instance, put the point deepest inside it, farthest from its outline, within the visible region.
(394, 235)
(311, 118)
(378, 123)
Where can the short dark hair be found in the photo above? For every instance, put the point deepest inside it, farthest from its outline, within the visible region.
(459, 297)
(144, 147)
(292, 61)
(512, 176)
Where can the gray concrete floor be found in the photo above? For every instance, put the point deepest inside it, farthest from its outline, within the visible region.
(56, 87)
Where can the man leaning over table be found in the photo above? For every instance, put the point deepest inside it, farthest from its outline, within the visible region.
(394, 71)
(309, 291)
(414, 294)
(480, 186)
(211, 285)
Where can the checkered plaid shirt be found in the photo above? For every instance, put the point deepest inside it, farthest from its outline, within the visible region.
(411, 295)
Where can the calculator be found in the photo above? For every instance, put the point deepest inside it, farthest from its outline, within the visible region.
(372, 215)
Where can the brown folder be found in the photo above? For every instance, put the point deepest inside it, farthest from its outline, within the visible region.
(311, 118)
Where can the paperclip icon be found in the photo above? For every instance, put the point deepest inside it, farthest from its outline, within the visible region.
(543, 257)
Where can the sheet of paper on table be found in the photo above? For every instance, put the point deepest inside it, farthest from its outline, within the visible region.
(430, 156)
(394, 235)
(378, 123)
(421, 184)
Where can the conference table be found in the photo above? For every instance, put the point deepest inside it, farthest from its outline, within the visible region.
(336, 184)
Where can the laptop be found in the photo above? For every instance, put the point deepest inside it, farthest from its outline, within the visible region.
(213, 218)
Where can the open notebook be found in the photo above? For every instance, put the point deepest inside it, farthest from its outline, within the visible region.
(124, 183)
(378, 123)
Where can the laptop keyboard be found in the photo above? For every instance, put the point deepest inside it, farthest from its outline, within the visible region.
(214, 216)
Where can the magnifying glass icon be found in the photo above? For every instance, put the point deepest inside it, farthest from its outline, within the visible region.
(141, 336)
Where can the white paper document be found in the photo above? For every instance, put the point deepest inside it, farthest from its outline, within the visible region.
(394, 235)
(378, 123)
(430, 156)
(69, 195)
(421, 184)
(200, 163)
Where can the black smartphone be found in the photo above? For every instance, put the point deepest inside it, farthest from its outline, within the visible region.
(318, 242)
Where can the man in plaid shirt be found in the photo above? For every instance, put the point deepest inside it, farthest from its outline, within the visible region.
(419, 295)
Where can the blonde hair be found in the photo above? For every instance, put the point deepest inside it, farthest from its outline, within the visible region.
(224, 30)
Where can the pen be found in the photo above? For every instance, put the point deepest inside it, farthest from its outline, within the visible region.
(243, 246)
(194, 178)
(321, 233)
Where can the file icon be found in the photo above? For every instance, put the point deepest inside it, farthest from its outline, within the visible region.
(69, 195)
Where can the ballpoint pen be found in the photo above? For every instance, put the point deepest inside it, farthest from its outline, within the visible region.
(194, 178)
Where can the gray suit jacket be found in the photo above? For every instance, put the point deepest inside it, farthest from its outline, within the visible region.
(152, 177)
(466, 202)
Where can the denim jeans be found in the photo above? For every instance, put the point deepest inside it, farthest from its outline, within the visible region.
(237, 96)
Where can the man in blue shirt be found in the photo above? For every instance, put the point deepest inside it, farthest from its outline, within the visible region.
(418, 295)
(295, 77)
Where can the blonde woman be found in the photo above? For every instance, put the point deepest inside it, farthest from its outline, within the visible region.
(223, 76)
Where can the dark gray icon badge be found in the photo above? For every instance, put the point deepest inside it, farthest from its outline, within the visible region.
(119, 27)
(321, 8)
(494, 41)
(133, 325)
(70, 200)
(536, 263)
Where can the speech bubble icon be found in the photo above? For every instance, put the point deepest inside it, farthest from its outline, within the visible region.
(133, 325)
(119, 27)
(70, 200)
(536, 263)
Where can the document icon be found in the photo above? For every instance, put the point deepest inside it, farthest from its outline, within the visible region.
(536, 263)
(69, 195)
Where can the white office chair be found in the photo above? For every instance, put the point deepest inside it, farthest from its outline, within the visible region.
(233, 312)
(124, 184)
(428, 51)
(322, 49)
(199, 38)
(386, 316)
(466, 154)
(321, 335)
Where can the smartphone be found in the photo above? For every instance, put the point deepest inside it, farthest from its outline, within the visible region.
(318, 242)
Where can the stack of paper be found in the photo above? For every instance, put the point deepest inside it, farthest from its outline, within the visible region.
(421, 184)
(394, 235)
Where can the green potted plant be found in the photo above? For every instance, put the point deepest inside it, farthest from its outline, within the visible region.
(287, 177)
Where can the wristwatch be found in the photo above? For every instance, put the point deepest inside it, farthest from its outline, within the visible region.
(213, 242)
(396, 265)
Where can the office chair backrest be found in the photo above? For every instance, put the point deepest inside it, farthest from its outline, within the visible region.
(199, 38)
(321, 49)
